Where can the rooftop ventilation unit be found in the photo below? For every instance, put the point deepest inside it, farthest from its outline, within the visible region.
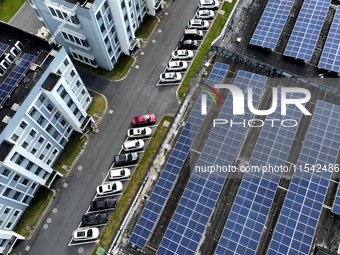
(14, 51)
(6, 119)
(9, 58)
(19, 45)
(15, 107)
(4, 64)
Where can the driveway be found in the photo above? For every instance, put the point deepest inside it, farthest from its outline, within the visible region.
(135, 95)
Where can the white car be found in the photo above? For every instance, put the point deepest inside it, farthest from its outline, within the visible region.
(83, 234)
(170, 77)
(119, 173)
(133, 145)
(176, 65)
(182, 54)
(139, 132)
(110, 187)
(204, 14)
(198, 24)
(208, 4)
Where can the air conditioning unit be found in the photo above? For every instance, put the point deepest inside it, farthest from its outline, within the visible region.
(19, 45)
(14, 51)
(4, 64)
(9, 58)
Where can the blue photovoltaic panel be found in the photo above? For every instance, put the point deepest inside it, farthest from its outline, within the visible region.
(169, 174)
(330, 58)
(273, 19)
(336, 205)
(3, 48)
(296, 226)
(201, 193)
(14, 77)
(307, 28)
(249, 212)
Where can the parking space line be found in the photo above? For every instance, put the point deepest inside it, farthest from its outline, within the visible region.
(99, 211)
(80, 243)
(108, 195)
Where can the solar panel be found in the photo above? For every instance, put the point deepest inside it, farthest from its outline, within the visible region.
(330, 58)
(336, 205)
(14, 77)
(270, 26)
(307, 28)
(296, 226)
(3, 48)
(170, 172)
(201, 193)
(242, 231)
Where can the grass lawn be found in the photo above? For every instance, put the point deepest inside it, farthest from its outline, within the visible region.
(132, 186)
(34, 211)
(70, 152)
(214, 31)
(146, 27)
(120, 69)
(9, 8)
(97, 106)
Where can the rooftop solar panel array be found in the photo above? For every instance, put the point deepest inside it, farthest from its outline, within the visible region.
(296, 226)
(307, 28)
(14, 77)
(3, 48)
(330, 58)
(336, 205)
(273, 19)
(201, 193)
(242, 232)
(169, 174)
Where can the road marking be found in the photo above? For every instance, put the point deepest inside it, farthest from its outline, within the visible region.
(142, 53)
(159, 30)
(80, 168)
(137, 66)
(65, 185)
(49, 220)
(98, 211)
(81, 250)
(153, 41)
(55, 210)
(76, 244)
(27, 248)
(45, 226)
(111, 111)
(166, 13)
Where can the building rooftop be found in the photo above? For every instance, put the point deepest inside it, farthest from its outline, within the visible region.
(82, 3)
(31, 60)
(50, 81)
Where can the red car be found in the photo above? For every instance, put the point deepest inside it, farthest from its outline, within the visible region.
(144, 119)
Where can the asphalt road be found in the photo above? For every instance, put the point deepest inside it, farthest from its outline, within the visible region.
(135, 95)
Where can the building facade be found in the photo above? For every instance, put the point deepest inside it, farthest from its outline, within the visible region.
(95, 32)
(42, 102)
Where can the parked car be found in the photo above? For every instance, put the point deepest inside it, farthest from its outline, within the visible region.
(95, 219)
(182, 54)
(83, 234)
(188, 44)
(133, 145)
(204, 14)
(198, 24)
(144, 119)
(170, 77)
(208, 4)
(110, 187)
(119, 173)
(193, 34)
(176, 65)
(125, 158)
(139, 132)
(103, 204)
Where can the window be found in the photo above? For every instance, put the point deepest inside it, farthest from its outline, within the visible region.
(16, 177)
(63, 94)
(41, 120)
(9, 224)
(16, 213)
(55, 151)
(81, 117)
(19, 160)
(83, 92)
(65, 35)
(98, 15)
(57, 115)
(130, 4)
(25, 182)
(72, 73)
(78, 83)
(63, 122)
(24, 145)
(84, 43)
(109, 17)
(48, 162)
(106, 40)
(105, 5)
(32, 111)
(66, 62)
(68, 130)
(62, 140)
(41, 140)
(42, 98)
(75, 112)
(50, 107)
(33, 185)
(16, 195)
(52, 11)
(55, 134)
(102, 28)
(113, 29)
(48, 146)
(109, 50)
(3, 241)
(6, 172)
(23, 125)
(70, 103)
(14, 137)
(59, 72)
(37, 172)
(33, 133)
(42, 156)
(29, 165)
(7, 210)
(125, 17)
(128, 30)
(49, 127)
(33, 151)
(6, 193)
(132, 15)
(116, 39)
(137, 7)
(122, 5)
(25, 199)
(45, 175)
(87, 100)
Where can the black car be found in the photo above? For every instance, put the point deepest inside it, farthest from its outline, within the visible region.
(103, 204)
(95, 219)
(188, 44)
(125, 158)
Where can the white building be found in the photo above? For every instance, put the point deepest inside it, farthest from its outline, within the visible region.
(95, 32)
(42, 101)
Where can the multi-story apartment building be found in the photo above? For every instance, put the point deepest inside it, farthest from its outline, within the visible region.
(42, 101)
(95, 32)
